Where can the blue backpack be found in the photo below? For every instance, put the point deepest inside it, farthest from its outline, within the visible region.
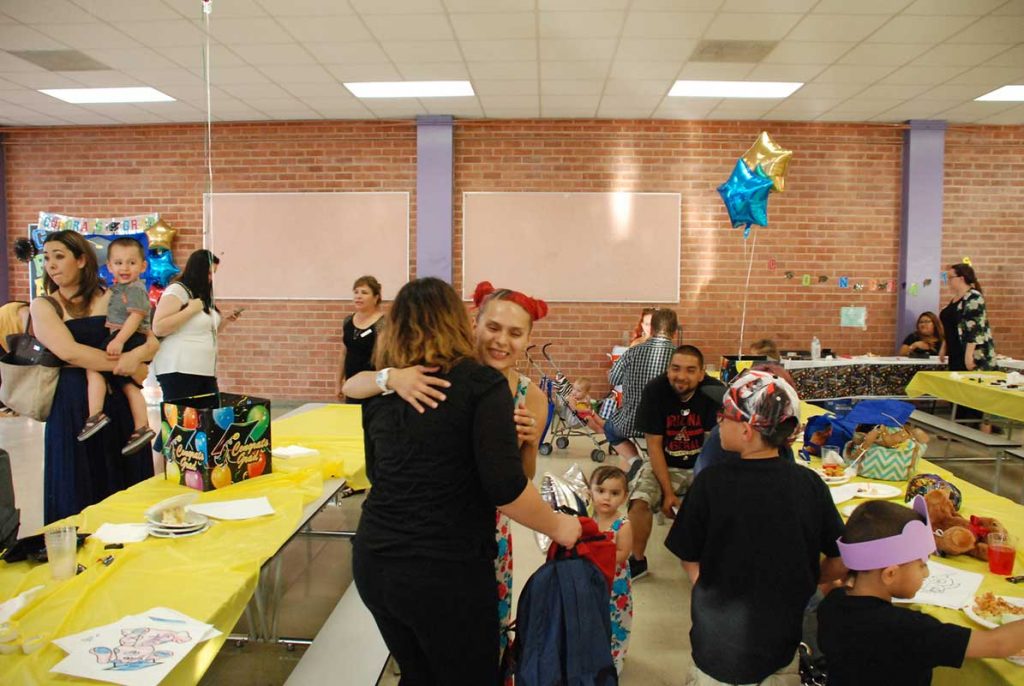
(563, 627)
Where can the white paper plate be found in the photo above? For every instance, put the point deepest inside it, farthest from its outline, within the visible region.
(878, 492)
(989, 624)
(183, 500)
(163, 533)
(833, 480)
(193, 520)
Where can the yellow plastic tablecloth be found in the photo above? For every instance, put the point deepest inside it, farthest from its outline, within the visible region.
(968, 392)
(210, 577)
(336, 431)
(980, 502)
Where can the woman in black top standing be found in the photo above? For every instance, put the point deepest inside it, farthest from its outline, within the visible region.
(359, 332)
(968, 340)
(423, 558)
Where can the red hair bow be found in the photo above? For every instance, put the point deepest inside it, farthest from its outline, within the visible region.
(537, 309)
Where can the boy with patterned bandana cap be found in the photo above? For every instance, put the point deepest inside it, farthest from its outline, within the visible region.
(886, 547)
(751, 534)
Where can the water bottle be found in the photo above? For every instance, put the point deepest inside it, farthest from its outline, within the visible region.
(815, 348)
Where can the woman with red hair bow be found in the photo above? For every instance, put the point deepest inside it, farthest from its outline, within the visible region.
(504, 321)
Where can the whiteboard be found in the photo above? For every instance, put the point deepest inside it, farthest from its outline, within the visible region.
(307, 246)
(574, 247)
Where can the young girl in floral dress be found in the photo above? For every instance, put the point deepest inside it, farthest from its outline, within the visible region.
(608, 491)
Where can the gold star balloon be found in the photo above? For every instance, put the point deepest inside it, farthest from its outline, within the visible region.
(774, 160)
(160, 235)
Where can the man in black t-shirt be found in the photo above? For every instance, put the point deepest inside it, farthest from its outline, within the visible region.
(751, 533)
(675, 413)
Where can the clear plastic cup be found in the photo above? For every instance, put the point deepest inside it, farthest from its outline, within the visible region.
(1002, 551)
(61, 549)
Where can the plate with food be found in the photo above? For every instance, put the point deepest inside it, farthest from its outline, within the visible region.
(173, 513)
(177, 533)
(869, 491)
(834, 474)
(991, 611)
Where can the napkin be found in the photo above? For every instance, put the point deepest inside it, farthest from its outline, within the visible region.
(247, 508)
(293, 451)
(122, 533)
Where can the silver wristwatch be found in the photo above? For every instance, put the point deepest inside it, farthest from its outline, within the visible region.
(382, 381)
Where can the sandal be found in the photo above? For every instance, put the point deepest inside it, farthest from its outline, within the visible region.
(92, 425)
(139, 438)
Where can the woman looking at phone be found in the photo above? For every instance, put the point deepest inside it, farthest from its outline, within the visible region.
(187, 320)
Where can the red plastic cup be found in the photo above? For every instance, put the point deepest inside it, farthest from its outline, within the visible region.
(1001, 554)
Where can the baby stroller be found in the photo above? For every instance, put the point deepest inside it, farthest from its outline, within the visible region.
(565, 421)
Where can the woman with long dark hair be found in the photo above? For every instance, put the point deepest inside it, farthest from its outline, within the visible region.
(71, 322)
(188, 320)
(968, 339)
(427, 528)
(926, 339)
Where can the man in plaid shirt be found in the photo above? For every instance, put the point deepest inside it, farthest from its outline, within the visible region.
(633, 371)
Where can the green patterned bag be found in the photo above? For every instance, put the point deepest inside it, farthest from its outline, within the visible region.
(897, 463)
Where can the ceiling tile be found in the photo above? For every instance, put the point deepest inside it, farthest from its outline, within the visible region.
(133, 10)
(300, 73)
(409, 27)
(849, 73)
(786, 72)
(581, 24)
(221, 8)
(306, 8)
(646, 102)
(1011, 8)
(817, 91)
(91, 35)
(990, 76)
(364, 72)
(499, 50)
(577, 49)
(574, 70)
(501, 25)
(667, 24)
(811, 107)
(658, 87)
(245, 74)
(337, 108)
(655, 49)
(394, 107)
(20, 37)
(166, 33)
(917, 29)
(503, 101)
(611, 111)
(255, 91)
(712, 71)
(423, 51)
(339, 29)
(685, 108)
(568, 111)
(105, 79)
(12, 63)
(860, 7)
(248, 30)
(748, 109)
(141, 58)
(974, 8)
(796, 52)
(883, 54)
(1010, 116)
(836, 27)
(751, 26)
(865, 107)
(509, 87)
(504, 70)
(457, 107)
(953, 55)
(583, 102)
(1012, 57)
(396, 6)
(921, 75)
(571, 87)
(1003, 30)
(306, 91)
(45, 11)
(961, 92)
(584, 5)
(157, 78)
(191, 57)
(489, 5)
(280, 54)
(776, 5)
(624, 69)
(433, 71)
(973, 111)
(892, 92)
(514, 113)
(347, 53)
(676, 5)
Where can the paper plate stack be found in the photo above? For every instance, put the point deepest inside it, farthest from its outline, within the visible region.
(171, 518)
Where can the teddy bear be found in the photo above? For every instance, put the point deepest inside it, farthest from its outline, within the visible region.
(955, 535)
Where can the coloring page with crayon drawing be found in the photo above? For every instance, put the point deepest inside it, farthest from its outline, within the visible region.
(946, 587)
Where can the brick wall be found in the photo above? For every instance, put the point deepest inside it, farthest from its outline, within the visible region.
(984, 199)
(280, 349)
(838, 217)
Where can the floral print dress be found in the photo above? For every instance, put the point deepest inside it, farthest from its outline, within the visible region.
(503, 537)
(972, 327)
(620, 605)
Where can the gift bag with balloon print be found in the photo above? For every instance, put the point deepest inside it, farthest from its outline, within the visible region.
(213, 441)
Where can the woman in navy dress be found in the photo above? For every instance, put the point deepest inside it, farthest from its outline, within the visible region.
(71, 322)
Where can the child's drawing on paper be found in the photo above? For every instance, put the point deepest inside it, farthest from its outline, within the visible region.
(138, 648)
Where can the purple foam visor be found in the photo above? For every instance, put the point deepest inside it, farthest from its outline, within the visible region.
(915, 542)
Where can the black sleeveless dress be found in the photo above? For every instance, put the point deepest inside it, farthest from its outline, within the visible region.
(359, 344)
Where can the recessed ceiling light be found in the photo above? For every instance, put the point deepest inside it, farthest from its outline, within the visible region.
(1004, 94)
(82, 96)
(411, 89)
(734, 89)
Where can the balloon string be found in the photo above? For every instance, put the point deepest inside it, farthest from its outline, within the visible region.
(746, 291)
(207, 7)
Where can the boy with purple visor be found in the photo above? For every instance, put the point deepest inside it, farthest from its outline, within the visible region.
(865, 638)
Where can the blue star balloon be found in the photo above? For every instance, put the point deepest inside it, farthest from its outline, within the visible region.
(162, 267)
(745, 195)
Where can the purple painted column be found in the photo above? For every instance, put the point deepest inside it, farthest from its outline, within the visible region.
(5, 266)
(924, 145)
(434, 183)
